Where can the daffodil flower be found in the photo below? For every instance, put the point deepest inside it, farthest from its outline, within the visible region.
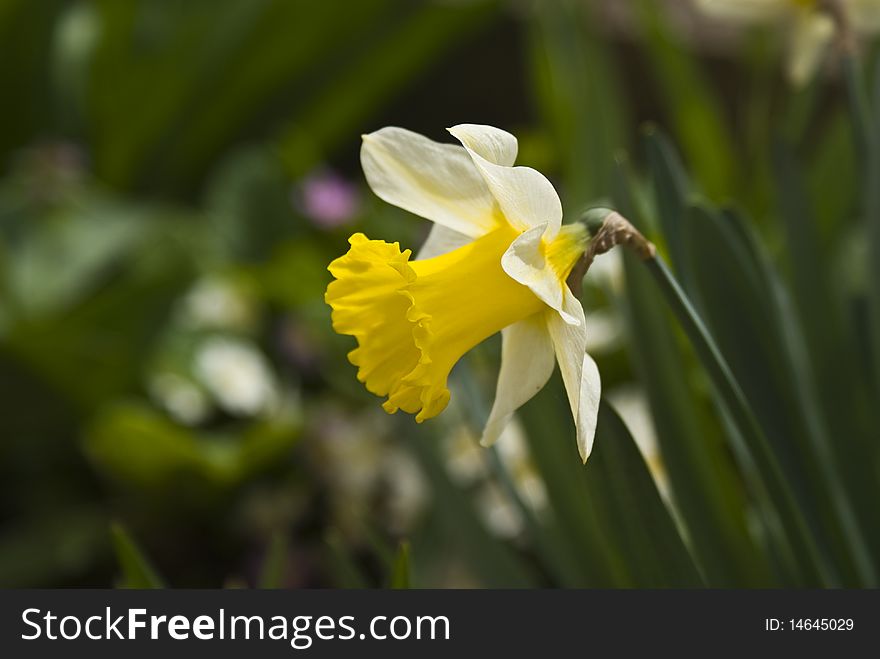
(496, 259)
(809, 24)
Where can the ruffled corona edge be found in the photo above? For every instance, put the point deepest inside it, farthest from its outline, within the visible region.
(371, 301)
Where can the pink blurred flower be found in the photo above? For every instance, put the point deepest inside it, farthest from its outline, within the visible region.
(327, 199)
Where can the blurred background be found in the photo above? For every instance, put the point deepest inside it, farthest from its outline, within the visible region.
(175, 409)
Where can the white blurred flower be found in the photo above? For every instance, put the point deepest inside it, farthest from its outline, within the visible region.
(498, 512)
(467, 465)
(517, 460)
(809, 25)
(349, 451)
(237, 375)
(607, 272)
(465, 459)
(632, 406)
(181, 398)
(364, 469)
(407, 490)
(606, 331)
(216, 304)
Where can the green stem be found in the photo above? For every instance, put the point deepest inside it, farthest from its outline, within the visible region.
(860, 108)
(804, 546)
(554, 561)
(867, 139)
(868, 145)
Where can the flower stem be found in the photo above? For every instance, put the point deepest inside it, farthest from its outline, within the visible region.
(867, 139)
(859, 109)
(616, 230)
(738, 407)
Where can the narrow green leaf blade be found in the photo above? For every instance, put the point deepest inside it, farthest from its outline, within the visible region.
(275, 561)
(401, 578)
(137, 572)
(695, 109)
(702, 478)
(634, 518)
(672, 189)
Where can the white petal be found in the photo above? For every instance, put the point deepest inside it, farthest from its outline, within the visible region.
(527, 199)
(569, 342)
(441, 240)
(495, 145)
(588, 409)
(436, 181)
(526, 365)
(524, 262)
(810, 37)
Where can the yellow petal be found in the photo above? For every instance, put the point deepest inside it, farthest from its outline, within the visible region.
(414, 320)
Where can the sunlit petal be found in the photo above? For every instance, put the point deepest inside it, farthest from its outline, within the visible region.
(441, 240)
(436, 181)
(588, 408)
(495, 145)
(569, 342)
(810, 37)
(529, 261)
(526, 198)
(527, 361)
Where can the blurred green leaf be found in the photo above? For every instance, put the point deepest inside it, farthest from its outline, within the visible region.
(495, 564)
(141, 448)
(672, 191)
(274, 562)
(126, 286)
(400, 572)
(705, 484)
(53, 547)
(249, 208)
(577, 87)
(834, 160)
(89, 241)
(831, 355)
(409, 41)
(694, 108)
(809, 460)
(871, 209)
(575, 520)
(296, 275)
(610, 509)
(634, 519)
(744, 426)
(473, 377)
(136, 570)
(730, 290)
(26, 32)
(345, 573)
(746, 311)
